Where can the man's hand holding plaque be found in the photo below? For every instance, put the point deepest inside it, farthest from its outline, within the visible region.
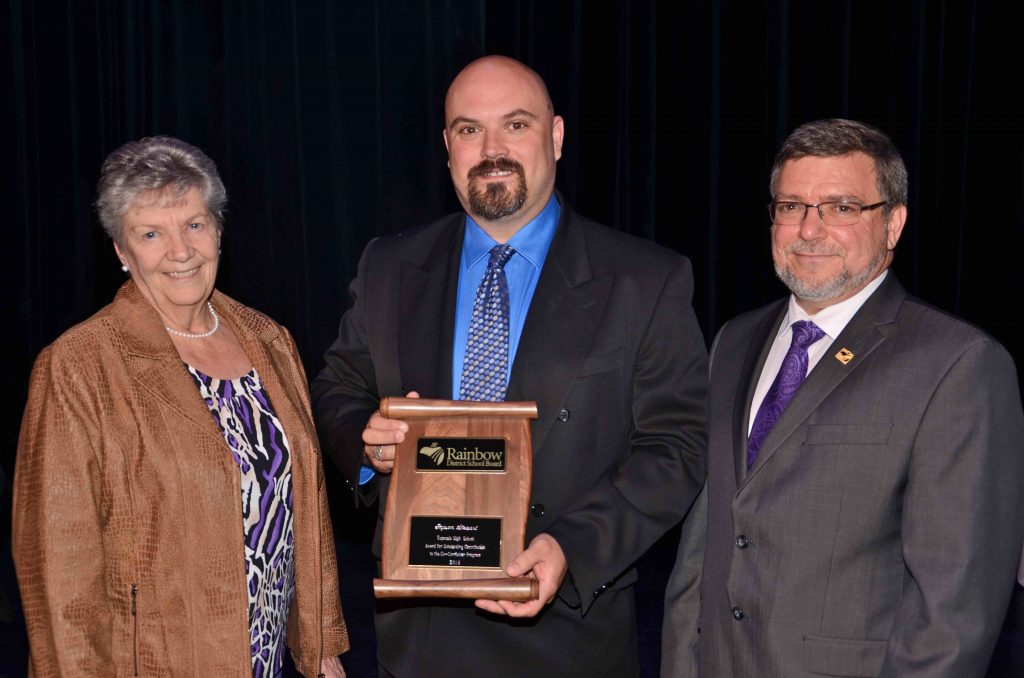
(380, 437)
(543, 559)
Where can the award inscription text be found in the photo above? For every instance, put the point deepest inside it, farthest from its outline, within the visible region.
(455, 541)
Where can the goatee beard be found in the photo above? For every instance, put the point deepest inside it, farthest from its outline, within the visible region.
(495, 201)
(830, 288)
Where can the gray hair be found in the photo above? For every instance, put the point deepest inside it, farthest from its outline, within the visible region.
(834, 137)
(155, 164)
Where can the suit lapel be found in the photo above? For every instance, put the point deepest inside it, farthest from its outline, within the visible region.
(167, 380)
(157, 368)
(154, 364)
(861, 336)
(425, 335)
(271, 356)
(564, 315)
(763, 335)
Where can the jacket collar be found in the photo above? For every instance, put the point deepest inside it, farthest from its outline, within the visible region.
(156, 367)
(143, 331)
(863, 334)
(763, 335)
(564, 316)
(428, 287)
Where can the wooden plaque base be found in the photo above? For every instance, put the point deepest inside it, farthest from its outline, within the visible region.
(457, 505)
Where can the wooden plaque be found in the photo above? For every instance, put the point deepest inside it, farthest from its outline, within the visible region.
(457, 506)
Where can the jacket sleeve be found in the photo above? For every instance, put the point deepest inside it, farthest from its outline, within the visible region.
(345, 392)
(963, 520)
(663, 470)
(57, 526)
(334, 632)
(680, 630)
(681, 624)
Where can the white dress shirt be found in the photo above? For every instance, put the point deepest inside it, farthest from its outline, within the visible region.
(832, 319)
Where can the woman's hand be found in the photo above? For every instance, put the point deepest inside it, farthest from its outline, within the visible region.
(331, 668)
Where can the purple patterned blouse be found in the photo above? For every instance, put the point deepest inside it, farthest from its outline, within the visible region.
(259, 446)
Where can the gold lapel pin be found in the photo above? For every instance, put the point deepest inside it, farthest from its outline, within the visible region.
(844, 356)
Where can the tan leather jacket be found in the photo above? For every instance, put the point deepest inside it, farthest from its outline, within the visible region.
(127, 506)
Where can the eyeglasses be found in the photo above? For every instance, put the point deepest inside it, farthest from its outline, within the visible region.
(832, 212)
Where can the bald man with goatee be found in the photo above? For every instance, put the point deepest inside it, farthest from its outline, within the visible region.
(600, 333)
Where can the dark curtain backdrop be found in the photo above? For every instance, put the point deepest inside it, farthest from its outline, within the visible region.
(325, 120)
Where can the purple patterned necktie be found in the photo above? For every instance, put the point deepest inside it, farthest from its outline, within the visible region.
(787, 381)
(485, 366)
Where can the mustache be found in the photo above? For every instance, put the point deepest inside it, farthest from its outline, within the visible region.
(495, 165)
(811, 248)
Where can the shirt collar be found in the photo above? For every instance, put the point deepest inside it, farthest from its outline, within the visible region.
(832, 319)
(531, 241)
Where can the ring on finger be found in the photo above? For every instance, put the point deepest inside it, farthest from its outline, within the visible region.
(376, 452)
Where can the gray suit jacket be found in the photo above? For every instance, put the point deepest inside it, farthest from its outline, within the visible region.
(612, 354)
(878, 532)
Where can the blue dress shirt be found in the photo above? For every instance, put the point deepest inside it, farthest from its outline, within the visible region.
(522, 272)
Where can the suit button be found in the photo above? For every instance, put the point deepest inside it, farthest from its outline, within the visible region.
(537, 510)
(563, 414)
(737, 614)
(742, 542)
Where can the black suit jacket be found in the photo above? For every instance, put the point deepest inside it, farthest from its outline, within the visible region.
(879, 529)
(612, 354)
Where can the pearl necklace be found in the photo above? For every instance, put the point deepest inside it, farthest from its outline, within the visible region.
(199, 335)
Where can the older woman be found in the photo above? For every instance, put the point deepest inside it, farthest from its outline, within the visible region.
(169, 506)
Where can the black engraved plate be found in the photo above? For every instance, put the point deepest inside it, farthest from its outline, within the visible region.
(461, 455)
(454, 541)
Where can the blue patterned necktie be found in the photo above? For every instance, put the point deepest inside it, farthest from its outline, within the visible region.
(787, 381)
(485, 366)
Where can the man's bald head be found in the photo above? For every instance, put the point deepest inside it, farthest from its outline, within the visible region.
(496, 66)
(503, 142)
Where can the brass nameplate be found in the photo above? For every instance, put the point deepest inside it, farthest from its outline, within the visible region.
(462, 455)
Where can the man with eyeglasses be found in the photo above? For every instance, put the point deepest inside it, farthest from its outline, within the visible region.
(864, 501)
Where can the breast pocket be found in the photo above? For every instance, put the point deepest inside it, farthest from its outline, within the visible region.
(860, 457)
(605, 361)
(848, 434)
